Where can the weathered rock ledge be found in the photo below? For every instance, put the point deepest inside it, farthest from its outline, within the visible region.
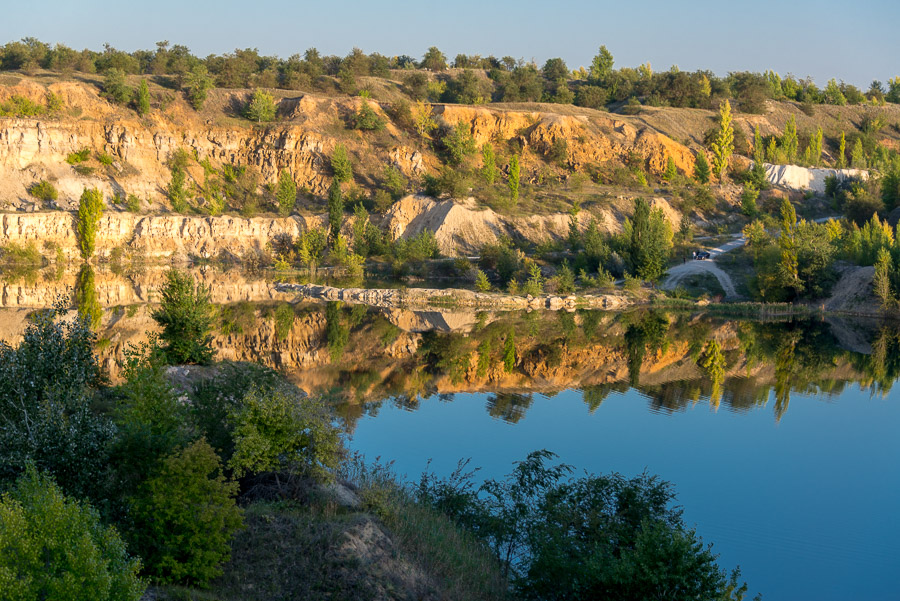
(429, 297)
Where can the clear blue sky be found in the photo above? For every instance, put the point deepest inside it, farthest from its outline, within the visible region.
(856, 41)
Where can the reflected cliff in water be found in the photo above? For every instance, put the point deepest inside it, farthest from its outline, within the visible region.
(362, 357)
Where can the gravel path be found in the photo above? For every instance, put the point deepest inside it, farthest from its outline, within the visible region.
(692, 267)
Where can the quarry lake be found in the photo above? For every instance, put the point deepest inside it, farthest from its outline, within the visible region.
(780, 439)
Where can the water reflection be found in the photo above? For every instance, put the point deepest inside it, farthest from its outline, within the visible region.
(363, 356)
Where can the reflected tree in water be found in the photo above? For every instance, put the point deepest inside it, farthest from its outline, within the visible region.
(337, 335)
(646, 333)
(87, 298)
(509, 406)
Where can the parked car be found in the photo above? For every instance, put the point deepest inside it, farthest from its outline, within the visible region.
(700, 255)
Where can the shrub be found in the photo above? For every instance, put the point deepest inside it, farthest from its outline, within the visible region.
(142, 101)
(340, 164)
(283, 432)
(459, 143)
(74, 158)
(90, 209)
(55, 548)
(45, 396)
(115, 88)
(176, 191)
(186, 318)
(394, 181)
(482, 284)
(367, 119)
(185, 516)
(104, 159)
(133, 203)
(285, 194)
(535, 284)
(19, 106)
(196, 85)
(593, 97)
(44, 190)
(284, 320)
(260, 107)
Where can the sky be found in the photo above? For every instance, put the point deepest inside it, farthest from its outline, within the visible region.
(852, 41)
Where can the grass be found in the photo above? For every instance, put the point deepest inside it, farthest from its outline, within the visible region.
(26, 255)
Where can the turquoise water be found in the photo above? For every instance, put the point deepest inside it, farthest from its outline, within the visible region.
(807, 506)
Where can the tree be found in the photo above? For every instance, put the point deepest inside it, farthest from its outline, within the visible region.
(340, 164)
(789, 140)
(513, 182)
(858, 155)
(312, 245)
(434, 60)
(814, 150)
(90, 210)
(649, 241)
(185, 314)
(701, 168)
(196, 85)
(482, 284)
(423, 119)
(712, 362)
(87, 299)
(535, 284)
(509, 352)
(788, 275)
(260, 107)
(748, 200)
(115, 87)
(881, 282)
(280, 431)
(723, 146)
(842, 152)
(671, 171)
(185, 517)
(833, 93)
(285, 193)
(759, 148)
(459, 143)
(367, 119)
(335, 209)
(143, 98)
(56, 548)
(602, 65)
(176, 191)
(488, 164)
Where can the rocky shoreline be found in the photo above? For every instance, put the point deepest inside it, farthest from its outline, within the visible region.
(455, 297)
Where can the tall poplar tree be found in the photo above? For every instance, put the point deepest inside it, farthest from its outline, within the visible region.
(723, 145)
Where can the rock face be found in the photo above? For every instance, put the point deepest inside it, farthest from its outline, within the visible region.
(171, 237)
(804, 178)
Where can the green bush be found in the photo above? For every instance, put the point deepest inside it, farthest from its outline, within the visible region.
(367, 119)
(74, 158)
(285, 194)
(186, 317)
(284, 320)
(459, 143)
(19, 106)
(43, 190)
(104, 159)
(90, 210)
(54, 548)
(185, 517)
(283, 432)
(260, 107)
(340, 164)
(46, 385)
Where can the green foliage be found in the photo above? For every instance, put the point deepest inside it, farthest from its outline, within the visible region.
(394, 182)
(285, 193)
(858, 155)
(602, 66)
(56, 549)
(482, 284)
(283, 432)
(489, 170)
(748, 200)
(74, 158)
(787, 241)
(701, 168)
(789, 141)
(104, 159)
(260, 107)
(367, 119)
(90, 210)
(284, 320)
(335, 209)
(434, 60)
(509, 352)
(649, 238)
(176, 191)
(535, 284)
(671, 171)
(185, 516)
(459, 143)
(142, 101)
(842, 152)
(513, 182)
(87, 298)
(311, 247)
(723, 145)
(44, 190)
(196, 86)
(185, 315)
(340, 164)
(46, 385)
(565, 279)
(20, 106)
(712, 362)
(115, 88)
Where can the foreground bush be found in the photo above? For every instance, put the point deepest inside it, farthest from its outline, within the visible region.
(185, 517)
(46, 385)
(54, 548)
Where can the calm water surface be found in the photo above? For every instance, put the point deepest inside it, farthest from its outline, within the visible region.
(807, 506)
